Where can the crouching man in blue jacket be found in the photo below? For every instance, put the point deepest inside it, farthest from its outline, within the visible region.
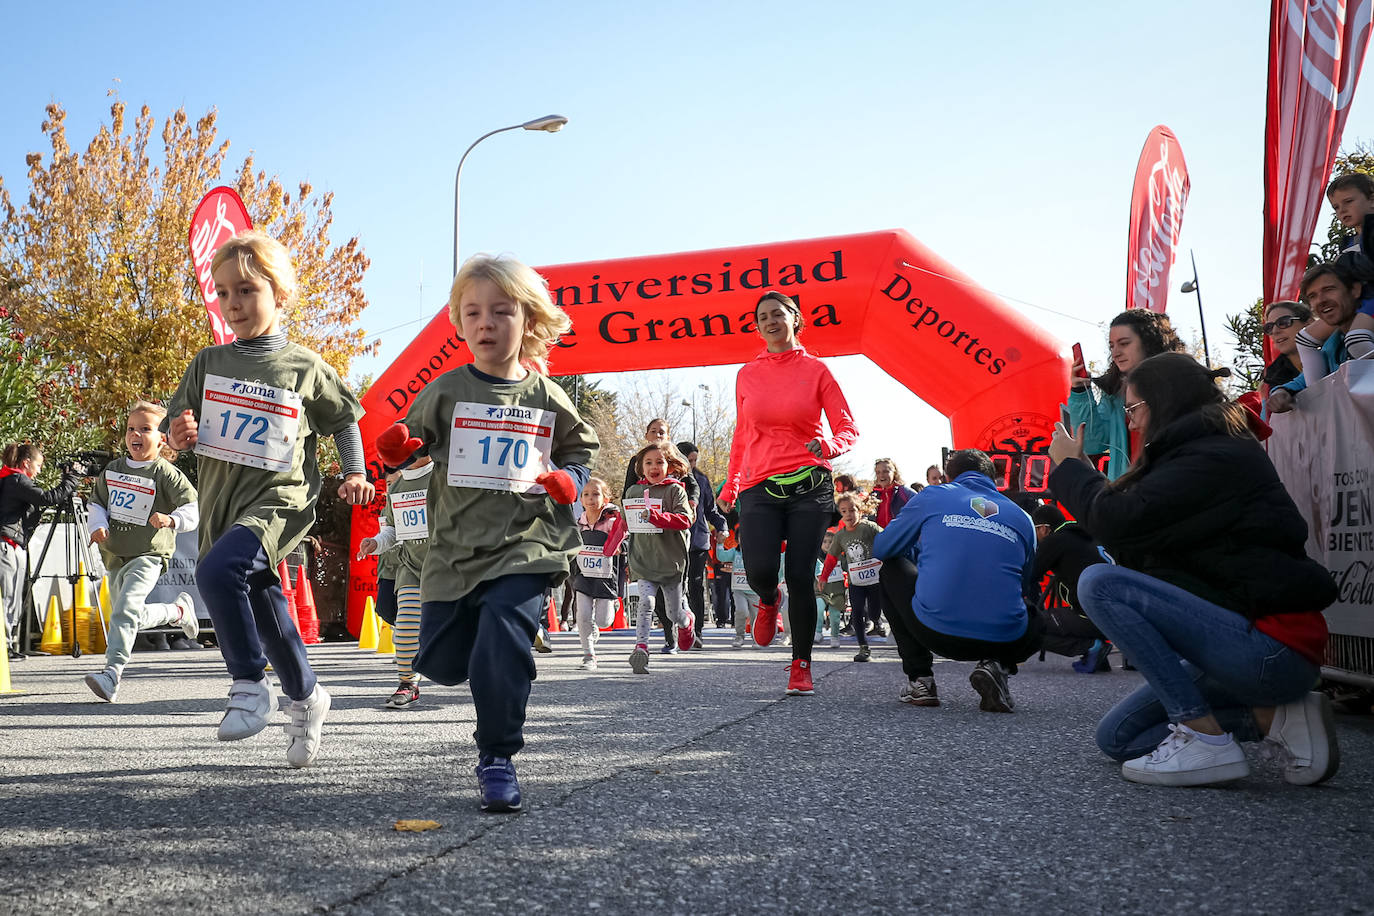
(955, 561)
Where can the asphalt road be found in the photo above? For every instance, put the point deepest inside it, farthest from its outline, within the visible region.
(699, 788)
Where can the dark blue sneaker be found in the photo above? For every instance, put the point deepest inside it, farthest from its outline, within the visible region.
(668, 649)
(1095, 659)
(500, 788)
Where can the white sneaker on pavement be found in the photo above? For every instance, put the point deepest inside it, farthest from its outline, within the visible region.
(738, 643)
(250, 703)
(104, 684)
(303, 729)
(188, 622)
(1184, 759)
(834, 642)
(1306, 732)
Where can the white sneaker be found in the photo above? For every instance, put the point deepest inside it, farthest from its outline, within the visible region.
(738, 643)
(1184, 759)
(104, 684)
(303, 730)
(250, 703)
(588, 663)
(834, 642)
(188, 622)
(1306, 733)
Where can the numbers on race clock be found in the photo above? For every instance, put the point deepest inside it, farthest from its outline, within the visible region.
(515, 452)
(259, 434)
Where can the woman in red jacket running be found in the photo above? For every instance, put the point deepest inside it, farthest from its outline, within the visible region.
(780, 473)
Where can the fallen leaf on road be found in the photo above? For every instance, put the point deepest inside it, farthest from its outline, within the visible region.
(414, 826)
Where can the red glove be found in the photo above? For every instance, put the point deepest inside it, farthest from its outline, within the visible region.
(396, 444)
(660, 519)
(560, 486)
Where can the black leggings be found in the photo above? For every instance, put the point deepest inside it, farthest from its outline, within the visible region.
(764, 523)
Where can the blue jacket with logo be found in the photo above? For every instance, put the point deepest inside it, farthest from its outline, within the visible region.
(973, 550)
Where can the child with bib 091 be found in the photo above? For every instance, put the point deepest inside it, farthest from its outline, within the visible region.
(510, 456)
(253, 410)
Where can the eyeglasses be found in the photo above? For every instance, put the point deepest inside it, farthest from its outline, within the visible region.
(1285, 322)
(1132, 408)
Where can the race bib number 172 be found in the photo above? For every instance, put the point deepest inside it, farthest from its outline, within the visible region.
(249, 423)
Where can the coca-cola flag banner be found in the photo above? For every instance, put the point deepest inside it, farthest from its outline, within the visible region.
(219, 216)
(1161, 190)
(1316, 49)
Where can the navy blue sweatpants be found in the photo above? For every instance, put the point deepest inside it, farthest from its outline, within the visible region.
(485, 638)
(248, 608)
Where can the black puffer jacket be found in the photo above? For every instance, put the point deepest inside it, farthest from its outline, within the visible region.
(1210, 515)
(22, 503)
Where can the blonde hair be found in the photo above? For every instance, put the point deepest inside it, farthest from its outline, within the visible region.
(263, 257)
(544, 321)
(149, 407)
(866, 504)
(896, 474)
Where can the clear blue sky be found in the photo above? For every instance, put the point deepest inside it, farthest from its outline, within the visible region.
(1002, 135)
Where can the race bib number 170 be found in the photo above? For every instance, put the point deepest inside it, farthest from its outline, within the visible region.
(249, 423)
(499, 447)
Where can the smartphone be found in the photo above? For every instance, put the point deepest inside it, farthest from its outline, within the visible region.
(1080, 365)
(1064, 420)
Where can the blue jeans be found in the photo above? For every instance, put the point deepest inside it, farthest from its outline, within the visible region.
(248, 608)
(485, 637)
(1197, 658)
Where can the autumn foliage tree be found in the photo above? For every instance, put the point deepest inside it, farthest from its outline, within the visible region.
(95, 263)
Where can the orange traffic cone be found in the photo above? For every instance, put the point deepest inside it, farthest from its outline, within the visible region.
(368, 635)
(553, 618)
(619, 622)
(52, 642)
(290, 594)
(305, 609)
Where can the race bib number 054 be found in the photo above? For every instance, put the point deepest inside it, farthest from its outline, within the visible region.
(131, 497)
(595, 564)
(249, 423)
(499, 447)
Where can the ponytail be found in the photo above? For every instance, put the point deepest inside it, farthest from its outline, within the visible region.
(16, 453)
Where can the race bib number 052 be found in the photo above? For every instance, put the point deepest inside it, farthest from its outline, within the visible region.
(249, 423)
(131, 497)
(499, 447)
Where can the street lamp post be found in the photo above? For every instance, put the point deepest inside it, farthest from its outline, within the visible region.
(1192, 286)
(702, 386)
(548, 123)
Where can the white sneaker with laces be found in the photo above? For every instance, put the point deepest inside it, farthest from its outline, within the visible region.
(588, 663)
(250, 703)
(188, 622)
(1184, 759)
(1305, 732)
(104, 684)
(303, 730)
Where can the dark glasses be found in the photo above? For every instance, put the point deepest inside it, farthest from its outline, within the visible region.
(1285, 322)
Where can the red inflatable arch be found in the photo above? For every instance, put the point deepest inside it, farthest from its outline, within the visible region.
(997, 376)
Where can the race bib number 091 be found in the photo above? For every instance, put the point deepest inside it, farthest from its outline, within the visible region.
(499, 447)
(249, 423)
(408, 511)
(131, 497)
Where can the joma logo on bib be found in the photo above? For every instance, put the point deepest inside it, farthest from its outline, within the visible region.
(510, 413)
(262, 391)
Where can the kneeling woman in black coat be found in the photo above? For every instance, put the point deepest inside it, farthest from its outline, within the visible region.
(1215, 600)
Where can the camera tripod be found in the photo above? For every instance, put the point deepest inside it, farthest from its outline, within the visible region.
(69, 524)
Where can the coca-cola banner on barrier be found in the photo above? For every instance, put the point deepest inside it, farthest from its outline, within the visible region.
(1316, 49)
(220, 215)
(1161, 190)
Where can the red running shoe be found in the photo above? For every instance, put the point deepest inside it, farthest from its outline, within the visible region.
(687, 634)
(766, 624)
(799, 682)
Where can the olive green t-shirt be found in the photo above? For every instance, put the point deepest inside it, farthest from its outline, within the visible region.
(854, 546)
(276, 505)
(659, 556)
(409, 555)
(477, 534)
(169, 490)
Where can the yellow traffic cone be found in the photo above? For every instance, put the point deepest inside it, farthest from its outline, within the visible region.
(52, 642)
(89, 632)
(5, 656)
(368, 636)
(385, 644)
(103, 598)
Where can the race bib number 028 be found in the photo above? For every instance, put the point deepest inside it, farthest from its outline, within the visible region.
(249, 423)
(131, 497)
(499, 447)
(408, 510)
(865, 573)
